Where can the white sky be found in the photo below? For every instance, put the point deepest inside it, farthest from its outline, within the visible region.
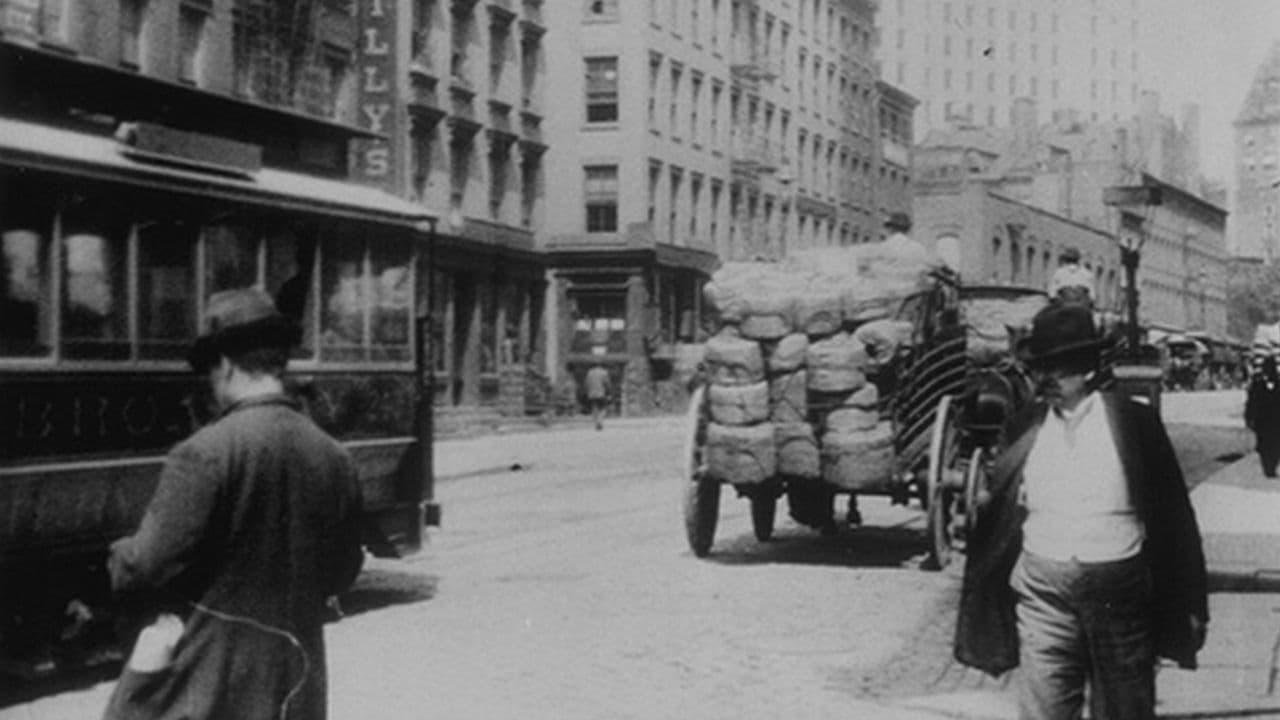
(1206, 51)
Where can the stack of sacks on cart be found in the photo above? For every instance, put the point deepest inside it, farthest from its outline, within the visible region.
(790, 394)
(993, 322)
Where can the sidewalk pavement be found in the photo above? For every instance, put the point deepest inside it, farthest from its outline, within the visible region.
(1239, 515)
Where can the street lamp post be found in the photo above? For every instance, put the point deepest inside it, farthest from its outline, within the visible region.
(1133, 372)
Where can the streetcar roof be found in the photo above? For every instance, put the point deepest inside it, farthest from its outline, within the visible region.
(41, 147)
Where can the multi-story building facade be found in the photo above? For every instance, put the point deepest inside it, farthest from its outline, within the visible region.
(687, 133)
(970, 59)
(457, 89)
(1255, 214)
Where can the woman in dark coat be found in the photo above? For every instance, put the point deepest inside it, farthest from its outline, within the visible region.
(1262, 412)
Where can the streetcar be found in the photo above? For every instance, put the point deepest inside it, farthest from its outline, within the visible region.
(107, 257)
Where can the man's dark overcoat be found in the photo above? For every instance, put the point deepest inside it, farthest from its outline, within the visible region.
(987, 633)
(254, 523)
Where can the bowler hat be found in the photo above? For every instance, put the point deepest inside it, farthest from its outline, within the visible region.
(237, 321)
(1070, 254)
(1062, 333)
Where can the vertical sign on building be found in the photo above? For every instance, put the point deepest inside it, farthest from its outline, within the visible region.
(375, 159)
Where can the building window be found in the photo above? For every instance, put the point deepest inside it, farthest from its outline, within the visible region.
(530, 48)
(530, 182)
(420, 48)
(655, 76)
(695, 199)
(340, 94)
(459, 171)
(655, 177)
(601, 191)
(133, 20)
(713, 226)
(191, 43)
(459, 71)
(602, 90)
(499, 159)
(422, 144)
(602, 10)
(695, 99)
(499, 43)
(717, 90)
(673, 210)
(673, 122)
(715, 24)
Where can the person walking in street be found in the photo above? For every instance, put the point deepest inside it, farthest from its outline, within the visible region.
(254, 524)
(1086, 564)
(1262, 410)
(599, 388)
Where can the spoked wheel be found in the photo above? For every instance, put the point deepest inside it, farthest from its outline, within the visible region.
(701, 492)
(942, 485)
(764, 507)
(975, 486)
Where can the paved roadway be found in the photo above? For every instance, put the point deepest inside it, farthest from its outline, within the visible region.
(564, 589)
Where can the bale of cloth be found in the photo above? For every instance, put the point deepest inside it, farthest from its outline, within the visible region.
(797, 448)
(836, 364)
(739, 404)
(992, 323)
(789, 397)
(858, 460)
(733, 360)
(741, 454)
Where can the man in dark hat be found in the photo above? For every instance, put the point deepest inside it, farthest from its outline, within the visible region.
(253, 525)
(898, 222)
(1086, 564)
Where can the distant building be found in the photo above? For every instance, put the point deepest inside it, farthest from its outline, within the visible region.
(1061, 169)
(970, 61)
(1255, 215)
(686, 134)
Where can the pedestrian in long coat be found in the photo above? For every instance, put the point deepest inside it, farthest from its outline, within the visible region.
(1262, 412)
(1087, 562)
(254, 524)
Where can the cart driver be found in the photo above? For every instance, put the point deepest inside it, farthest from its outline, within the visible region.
(1071, 282)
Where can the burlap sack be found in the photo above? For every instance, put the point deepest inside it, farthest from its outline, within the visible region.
(739, 404)
(851, 419)
(883, 337)
(836, 364)
(733, 360)
(797, 449)
(741, 455)
(788, 397)
(788, 355)
(761, 326)
(819, 305)
(859, 461)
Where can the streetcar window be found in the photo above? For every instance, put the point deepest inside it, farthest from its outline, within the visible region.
(166, 278)
(230, 258)
(95, 288)
(26, 295)
(392, 288)
(344, 287)
(289, 279)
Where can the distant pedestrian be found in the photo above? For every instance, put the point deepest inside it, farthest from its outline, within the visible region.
(254, 524)
(599, 388)
(1262, 412)
(1086, 564)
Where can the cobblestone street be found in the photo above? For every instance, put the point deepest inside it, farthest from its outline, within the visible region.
(565, 589)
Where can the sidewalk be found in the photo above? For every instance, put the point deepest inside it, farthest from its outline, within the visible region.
(1239, 515)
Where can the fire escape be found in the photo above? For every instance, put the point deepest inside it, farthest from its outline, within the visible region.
(752, 150)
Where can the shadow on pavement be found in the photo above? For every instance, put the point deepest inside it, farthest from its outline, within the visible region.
(868, 546)
(376, 589)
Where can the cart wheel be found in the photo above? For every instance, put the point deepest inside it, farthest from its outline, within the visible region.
(975, 484)
(944, 448)
(764, 506)
(701, 493)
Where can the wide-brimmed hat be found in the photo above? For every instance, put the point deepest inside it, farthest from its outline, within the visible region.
(1069, 254)
(237, 321)
(1062, 333)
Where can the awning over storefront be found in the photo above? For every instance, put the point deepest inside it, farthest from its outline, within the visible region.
(40, 147)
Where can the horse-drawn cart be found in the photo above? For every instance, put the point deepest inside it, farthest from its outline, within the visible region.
(914, 413)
